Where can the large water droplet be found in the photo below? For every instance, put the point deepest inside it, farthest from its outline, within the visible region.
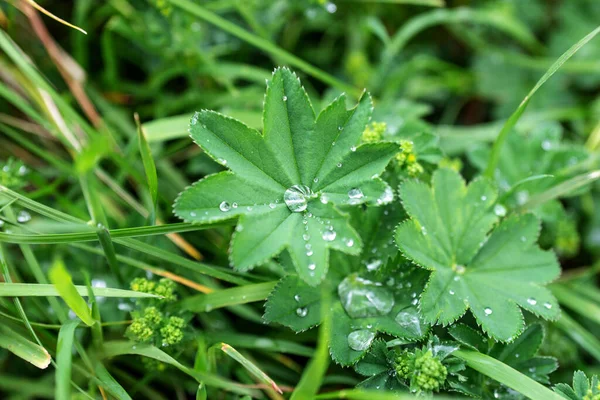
(386, 197)
(355, 194)
(23, 216)
(329, 235)
(361, 339)
(301, 312)
(364, 298)
(409, 320)
(224, 206)
(297, 197)
(499, 210)
(487, 311)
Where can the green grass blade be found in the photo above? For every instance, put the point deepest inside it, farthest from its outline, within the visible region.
(201, 392)
(44, 290)
(113, 349)
(149, 168)
(562, 189)
(109, 383)
(506, 375)
(64, 351)
(23, 348)
(514, 118)
(579, 334)
(63, 283)
(228, 297)
(249, 366)
(580, 304)
(264, 45)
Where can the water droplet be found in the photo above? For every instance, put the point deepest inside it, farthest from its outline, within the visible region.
(546, 145)
(355, 194)
(483, 198)
(353, 148)
(451, 291)
(312, 266)
(271, 205)
(349, 242)
(487, 311)
(386, 197)
(284, 98)
(532, 301)
(301, 312)
(297, 297)
(364, 298)
(249, 208)
(297, 197)
(339, 165)
(409, 320)
(329, 235)
(459, 269)
(333, 143)
(192, 214)
(224, 206)
(234, 205)
(324, 199)
(414, 302)
(306, 236)
(522, 197)
(424, 231)
(361, 339)
(309, 253)
(548, 305)
(499, 210)
(523, 239)
(23, 216)
(222, 161)
(339, 127)
(316, 180)
(373, 264)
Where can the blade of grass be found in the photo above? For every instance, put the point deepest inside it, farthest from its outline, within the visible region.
(48, 13)
(506, 375)
(562, 189)
(228, 297)
(149, 168)
(249, 366)
(109, 383)
(580, 304)
(44, 290)
(113, 349)
(579, 334)
(514, 118)
(23, 348)
(64, 351)
(63, 283)
(263, 44)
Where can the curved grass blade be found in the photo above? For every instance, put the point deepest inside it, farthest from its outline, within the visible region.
(64, 352)
(228, 297)
(23, 348)
(506, 375)
(113, 349)
(63, 283)
(514, 118)
(251, 367)
(149, 168)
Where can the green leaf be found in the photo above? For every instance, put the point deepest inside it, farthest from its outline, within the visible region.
(294, 304)
(23, 348)
(469, 337)
(36, 289)
(60, 277)
(149, 167)
(492, 276)
(285, 185)
(64, 352)
(228, 297)
(582, 389)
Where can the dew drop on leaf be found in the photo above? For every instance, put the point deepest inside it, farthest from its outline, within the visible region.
(23, 216)
(224, 206)
(312, 266)
(499, 210)
(532, 301)
(316, 180)
(192, 214)
(234, 205)
(284, 98)
(361, 339)
(271, 205)
(329, 235)
(548, 305)
(355, 194)
(309, 253)
(349, 242)
(353, 148)
(483, 198)
(306, 236)
(301, 312)
(409, 321)
(373, 264)
(546, 145)
(386, 197)
(297, 297)
(451, 292)
(339, 165)
(487, 311)
(324, 199)
(364, 298)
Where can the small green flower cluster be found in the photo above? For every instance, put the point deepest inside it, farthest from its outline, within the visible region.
(164, 288)
(407, 158)
(422, 369)
(150, 324)
(374, 132)
(12, 173)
